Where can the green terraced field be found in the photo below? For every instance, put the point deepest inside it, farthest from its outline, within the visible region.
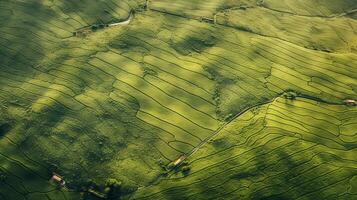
(252, 92)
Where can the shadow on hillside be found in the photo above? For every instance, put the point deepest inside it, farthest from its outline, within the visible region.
(273, 174)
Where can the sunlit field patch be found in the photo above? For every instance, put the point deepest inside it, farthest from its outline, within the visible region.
(178, 100)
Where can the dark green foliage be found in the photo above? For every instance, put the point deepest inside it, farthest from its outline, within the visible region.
(186, 169)
(4, 128)
(170, 166)
(3, 177)
(94, 27)
(291, 95)
(194, 43)
(113, 189)
(149, 71)
(111, 104)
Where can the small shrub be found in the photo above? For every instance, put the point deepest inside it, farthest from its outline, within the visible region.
(290, 95)
(94, 27)
(164, 173)
(113, 183)
(186, 169)
(184, 163)
(113, 188)
(229, 117)
(106, 190)
(170, 166)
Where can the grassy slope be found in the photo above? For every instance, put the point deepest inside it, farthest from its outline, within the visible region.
(118, 102)
(223, 169)
(40, 76)
(298, 149)
(319, 33)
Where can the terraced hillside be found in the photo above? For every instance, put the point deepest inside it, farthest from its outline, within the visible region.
(251, 92)
(285, 149)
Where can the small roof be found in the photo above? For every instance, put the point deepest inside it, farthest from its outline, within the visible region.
(180, 159)
(350, 101)
(57, 178)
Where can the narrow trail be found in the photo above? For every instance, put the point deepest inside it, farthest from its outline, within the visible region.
(225, 124)
(125, 22)
(157, 179)
(215, 133)
(90, 28)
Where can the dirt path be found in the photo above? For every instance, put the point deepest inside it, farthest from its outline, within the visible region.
(126, 22)
(215, 133)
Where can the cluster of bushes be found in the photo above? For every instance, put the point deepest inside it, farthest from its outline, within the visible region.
(96, 27)
(4, 128)
(90, 29)
(290, 95)
(149, 71)
(112, 189)
(184, 168)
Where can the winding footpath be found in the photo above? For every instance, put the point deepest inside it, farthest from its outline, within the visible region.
(126, 22)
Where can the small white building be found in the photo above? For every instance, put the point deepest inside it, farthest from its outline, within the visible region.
(180, 160)
(57, 179)
(350, 102)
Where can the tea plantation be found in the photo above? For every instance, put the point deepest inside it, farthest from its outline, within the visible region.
(184, 99)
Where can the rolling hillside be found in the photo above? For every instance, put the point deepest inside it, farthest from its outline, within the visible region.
(252, 92)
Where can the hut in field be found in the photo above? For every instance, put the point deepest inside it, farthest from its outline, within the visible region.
(208, 20)
(57, 179)
(350, 102)
(180, 160)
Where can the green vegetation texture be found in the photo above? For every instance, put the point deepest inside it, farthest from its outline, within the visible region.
(252, 91)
